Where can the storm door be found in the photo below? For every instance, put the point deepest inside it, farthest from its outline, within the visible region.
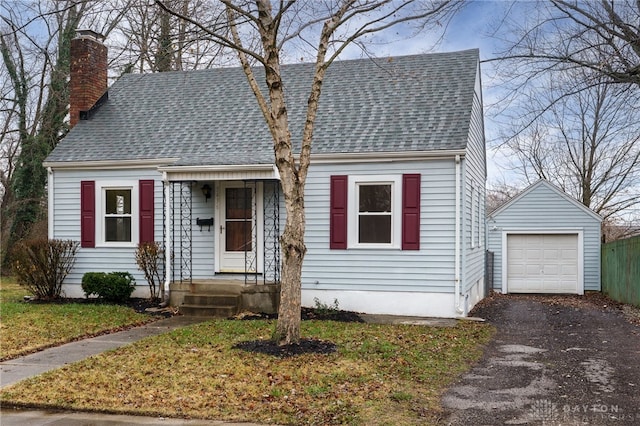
(238, 227)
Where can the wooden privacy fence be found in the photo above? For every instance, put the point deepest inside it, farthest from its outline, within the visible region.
(621, 270)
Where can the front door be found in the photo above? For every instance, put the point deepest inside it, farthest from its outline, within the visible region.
(238, 227)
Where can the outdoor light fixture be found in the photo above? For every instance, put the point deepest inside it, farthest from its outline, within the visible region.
(206, 191)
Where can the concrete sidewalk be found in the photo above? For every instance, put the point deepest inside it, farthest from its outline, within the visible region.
(10, 417)
(15, 370)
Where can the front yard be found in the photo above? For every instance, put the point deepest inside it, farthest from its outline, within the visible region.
(381, 374)
(29, 327)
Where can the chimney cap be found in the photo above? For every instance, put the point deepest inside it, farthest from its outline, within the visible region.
(89, 34)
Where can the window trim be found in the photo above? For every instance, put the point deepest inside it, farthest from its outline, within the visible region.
(474, 198)
(101, 188)
(481, 222)
(353, 210)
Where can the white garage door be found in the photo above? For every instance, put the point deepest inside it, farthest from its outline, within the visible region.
(546, 263)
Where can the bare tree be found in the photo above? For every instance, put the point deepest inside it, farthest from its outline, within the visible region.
(499, 194)
(569, 73)
(34, 50)
(259, 32)
(587, 143)
(34, 46)
(150, 39)
(601, 36)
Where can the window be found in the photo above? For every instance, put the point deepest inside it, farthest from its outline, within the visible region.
(375, 203)
(374, 212)
(117, 215)
(480, 218)
(474, 196)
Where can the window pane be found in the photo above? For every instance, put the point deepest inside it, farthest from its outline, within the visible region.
(238, 203)
(374, 198)
(118, 201)
(117, 228)
(374, 229)
(238, 236)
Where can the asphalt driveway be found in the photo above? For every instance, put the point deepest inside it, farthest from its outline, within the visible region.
(555, 360)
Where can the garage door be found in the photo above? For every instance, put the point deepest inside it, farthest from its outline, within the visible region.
(546, 263)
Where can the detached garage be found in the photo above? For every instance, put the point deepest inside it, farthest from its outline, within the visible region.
(544, 241)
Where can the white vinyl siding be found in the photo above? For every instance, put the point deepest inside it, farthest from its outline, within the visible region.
(474, 178)
(429, 269)
(65, 224)
(542, 209)
(203, 239)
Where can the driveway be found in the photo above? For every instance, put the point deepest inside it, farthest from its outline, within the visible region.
(555, 360)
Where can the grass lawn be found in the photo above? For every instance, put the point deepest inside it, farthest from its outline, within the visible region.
(380, 375)
(28, 327)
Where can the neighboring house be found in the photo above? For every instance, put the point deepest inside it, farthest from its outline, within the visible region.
(394, 197)
(544, 241)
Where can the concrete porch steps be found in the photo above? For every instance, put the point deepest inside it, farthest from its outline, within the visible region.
(210, 305)
(223, 298)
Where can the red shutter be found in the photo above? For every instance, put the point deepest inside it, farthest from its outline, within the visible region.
(146, 211)
(87, 213)
(338, 213)
(411, 212)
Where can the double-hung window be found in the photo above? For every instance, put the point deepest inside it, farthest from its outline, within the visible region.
(474, 201)
(117, 214)
(374, 212)
(376, 207)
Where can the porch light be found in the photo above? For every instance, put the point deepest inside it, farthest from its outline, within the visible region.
(206, 191)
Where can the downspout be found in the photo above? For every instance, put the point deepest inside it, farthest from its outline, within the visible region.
(167, 237)
(50, 192)
(456, 285)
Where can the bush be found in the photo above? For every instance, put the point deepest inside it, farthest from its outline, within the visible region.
(112, 287)
(148, 258)
(41, 265)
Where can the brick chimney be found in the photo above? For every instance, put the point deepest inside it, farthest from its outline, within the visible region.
(88, 72)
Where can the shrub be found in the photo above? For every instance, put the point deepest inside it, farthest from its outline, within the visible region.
(41, 265)
(148, 256)
(325, 309)
(112, 287)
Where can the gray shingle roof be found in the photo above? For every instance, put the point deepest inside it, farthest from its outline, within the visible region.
(409, 103)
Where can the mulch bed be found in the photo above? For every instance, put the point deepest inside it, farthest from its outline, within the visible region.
(306, 346)
(307, 314)
(140, 305)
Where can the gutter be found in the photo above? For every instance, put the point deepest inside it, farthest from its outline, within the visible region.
(109, 164)
(385, 157)
(456, 283)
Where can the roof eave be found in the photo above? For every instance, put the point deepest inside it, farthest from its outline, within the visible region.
(386, 157)
(109, 164)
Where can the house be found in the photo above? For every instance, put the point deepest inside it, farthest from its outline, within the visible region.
(394, 197)
(544, 241)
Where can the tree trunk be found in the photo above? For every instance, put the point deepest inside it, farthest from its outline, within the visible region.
(293, 250)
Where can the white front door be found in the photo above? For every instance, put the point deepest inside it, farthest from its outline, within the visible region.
(239, 203)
